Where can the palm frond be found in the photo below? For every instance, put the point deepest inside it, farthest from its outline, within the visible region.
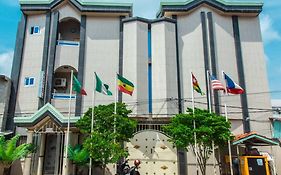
(2, 147)
(10, 152)
(11, 146)
(78, 155)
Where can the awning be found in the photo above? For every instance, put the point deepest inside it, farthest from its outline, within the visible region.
(254, 139)
(47, 111)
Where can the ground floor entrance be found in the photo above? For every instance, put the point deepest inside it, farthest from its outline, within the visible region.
(48, 159)
(53, 158)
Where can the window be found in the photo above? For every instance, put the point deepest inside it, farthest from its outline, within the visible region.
(277, 129)
(29, 81)
(35, 30)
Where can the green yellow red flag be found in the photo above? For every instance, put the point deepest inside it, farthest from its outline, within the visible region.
(125, 85)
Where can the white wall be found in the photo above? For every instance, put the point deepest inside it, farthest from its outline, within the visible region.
(191, 57)
(135, 65)
(226, 56)
(27, 99)
(164, 69)
(67, 55)
(101, 56)
(67, 11)
(255, 74)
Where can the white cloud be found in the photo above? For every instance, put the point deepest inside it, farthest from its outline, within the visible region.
(6, 60)
(269, 33)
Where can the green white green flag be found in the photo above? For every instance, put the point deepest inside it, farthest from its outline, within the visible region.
(101, 87)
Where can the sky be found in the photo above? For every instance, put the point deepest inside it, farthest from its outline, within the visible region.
(269, 19)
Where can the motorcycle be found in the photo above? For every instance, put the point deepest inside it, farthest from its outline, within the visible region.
(125, 168)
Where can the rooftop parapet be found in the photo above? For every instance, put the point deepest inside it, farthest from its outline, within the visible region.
(121, 6)
(228, 6)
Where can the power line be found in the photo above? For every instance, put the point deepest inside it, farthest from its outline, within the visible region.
(175, 100)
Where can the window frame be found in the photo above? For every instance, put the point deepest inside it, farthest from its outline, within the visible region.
(27, 81)
(32, 30)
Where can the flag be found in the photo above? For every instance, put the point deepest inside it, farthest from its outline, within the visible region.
(216, 84)
(196, 86)
(77, 87)
(101, 87)
(125, 85)
(232, 87)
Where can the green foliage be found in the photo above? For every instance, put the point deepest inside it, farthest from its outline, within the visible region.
(103, 149)
(209, 128)
(78, 155)
(104, 121)
(10, 152)
(103, 145)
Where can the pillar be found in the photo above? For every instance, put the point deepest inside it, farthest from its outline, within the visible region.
(41, 154)
(27, 162)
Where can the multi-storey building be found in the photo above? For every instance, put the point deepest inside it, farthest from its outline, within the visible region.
(56, 37)
(5, 88)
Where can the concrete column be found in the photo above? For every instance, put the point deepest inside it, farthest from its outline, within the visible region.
(27, 162)
(41, 154)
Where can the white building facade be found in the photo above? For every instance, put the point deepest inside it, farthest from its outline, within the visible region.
(59, 36)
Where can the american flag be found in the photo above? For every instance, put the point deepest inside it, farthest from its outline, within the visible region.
(216, 84)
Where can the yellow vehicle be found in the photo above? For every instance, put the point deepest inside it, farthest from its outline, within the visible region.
(254, 165)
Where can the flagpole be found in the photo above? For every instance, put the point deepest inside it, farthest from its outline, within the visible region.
(210, 111)
(226, 118)
(229, 146)
(92, 120)
(68, 126)
(209, 92)
(115, 104)
(116, 95)
(194, 125)
(115, 112)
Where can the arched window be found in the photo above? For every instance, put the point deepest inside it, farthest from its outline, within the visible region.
(62, 79)
(69, 30)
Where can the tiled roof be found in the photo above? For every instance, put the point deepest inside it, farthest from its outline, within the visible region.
(254, 139)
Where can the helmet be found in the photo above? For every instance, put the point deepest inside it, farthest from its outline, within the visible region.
(137, 162)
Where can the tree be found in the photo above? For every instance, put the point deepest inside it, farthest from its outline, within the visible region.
(105, 145)
(209, 128)
(104, 121)
(10, 152)
(103, 150)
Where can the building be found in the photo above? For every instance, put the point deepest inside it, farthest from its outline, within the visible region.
(276, 119)
(5, 88)
(59, 36)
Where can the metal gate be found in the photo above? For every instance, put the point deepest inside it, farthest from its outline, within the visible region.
(157, 155)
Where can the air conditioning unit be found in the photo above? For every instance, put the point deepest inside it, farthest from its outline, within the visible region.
(60, 82)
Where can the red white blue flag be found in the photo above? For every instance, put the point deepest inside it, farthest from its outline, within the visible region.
(232, 87)
(216, 84)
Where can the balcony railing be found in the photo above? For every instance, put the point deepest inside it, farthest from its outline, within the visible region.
(63, 96)
(67, 43)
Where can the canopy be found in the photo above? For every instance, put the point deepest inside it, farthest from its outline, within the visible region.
(254, 139)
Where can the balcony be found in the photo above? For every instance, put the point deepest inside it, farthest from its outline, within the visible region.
(67, 53)
(67, 49)
(61, 90)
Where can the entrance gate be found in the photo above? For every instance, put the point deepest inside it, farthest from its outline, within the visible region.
(156, 153)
